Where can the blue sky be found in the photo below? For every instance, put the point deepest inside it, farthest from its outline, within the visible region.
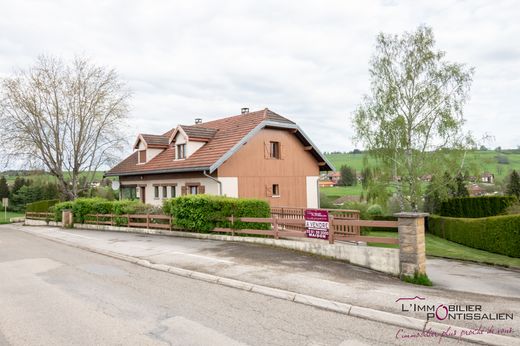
(307, 60)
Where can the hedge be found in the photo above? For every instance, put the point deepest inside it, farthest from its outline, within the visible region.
(84, 206)
(497, 234)
(41, 206)
(475, 207)
(202, 213)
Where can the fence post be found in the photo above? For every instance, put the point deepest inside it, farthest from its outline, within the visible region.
(67, 219)
(232, 223)
(147, 220)
(127, 220)
(275, 226)
(412, 249)
(331, 229)
(97, 219)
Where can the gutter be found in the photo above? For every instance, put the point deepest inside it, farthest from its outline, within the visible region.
(215, 180)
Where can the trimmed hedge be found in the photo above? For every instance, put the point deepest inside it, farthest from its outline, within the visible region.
(41, 206)
(497, 234)
(475, 207)
(202, 213)
(84, 206)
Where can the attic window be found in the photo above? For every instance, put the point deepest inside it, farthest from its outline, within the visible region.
(275, 150)
(142, 156)
(181, 151)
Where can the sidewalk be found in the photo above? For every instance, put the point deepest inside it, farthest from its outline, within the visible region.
(307, 274)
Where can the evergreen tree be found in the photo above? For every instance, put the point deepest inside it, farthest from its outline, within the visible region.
(4, 189)
(460, 187)
(348, 176)
(18, 183)
(513, 187)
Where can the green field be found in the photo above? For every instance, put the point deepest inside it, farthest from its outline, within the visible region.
(484, 161)
(5, 219)
(44, 177)
(439, 247)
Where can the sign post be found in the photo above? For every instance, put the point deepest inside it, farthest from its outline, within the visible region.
(317, 223)
(5, 203)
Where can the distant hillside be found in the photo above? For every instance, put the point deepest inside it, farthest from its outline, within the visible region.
(498, 163)
(36, 175)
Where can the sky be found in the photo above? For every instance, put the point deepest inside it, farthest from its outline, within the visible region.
(306, 60)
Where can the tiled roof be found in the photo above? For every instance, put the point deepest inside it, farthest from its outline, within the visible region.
(198, 131)
(155, 140)
(226, 132)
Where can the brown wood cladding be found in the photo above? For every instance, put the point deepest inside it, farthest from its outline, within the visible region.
(145, 177)
(256, 173)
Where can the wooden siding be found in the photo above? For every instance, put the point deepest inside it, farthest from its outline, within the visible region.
(257, 172)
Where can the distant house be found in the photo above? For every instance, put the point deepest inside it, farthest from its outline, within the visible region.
(334, 177)
(326, 183)
(487, 177)
(253, 155)
(475, 190)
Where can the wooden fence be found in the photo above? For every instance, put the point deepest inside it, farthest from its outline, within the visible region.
(279, 229)
(153, 221)
(286, 213)
(39, 216)
(344, 225)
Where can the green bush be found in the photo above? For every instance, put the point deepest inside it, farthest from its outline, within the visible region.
(202, 213)
(375, 210)
(497, 234)
(41, 206)
(475, 207)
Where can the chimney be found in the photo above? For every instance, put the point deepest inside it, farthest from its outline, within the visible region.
(245, 110)
(198, 120)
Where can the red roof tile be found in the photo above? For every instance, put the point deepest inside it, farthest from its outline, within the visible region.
(226, 132)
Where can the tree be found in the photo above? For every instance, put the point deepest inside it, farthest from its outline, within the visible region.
(348, 176)
(65, 117)
(19, 182)
(4, 188)
(460, 186)
(411, 123)
(513, 187)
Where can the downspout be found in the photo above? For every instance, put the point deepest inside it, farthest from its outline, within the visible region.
(215, 180)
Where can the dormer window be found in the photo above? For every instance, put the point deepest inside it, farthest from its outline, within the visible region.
(181, 151)
(142, 156)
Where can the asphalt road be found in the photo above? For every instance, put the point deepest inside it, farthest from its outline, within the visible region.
(53, 294)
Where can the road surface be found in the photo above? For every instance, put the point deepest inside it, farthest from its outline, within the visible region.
(54, 294)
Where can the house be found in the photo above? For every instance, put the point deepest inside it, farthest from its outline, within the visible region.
(487, 177)
(335, 177)
(475, 190)
(326, 183)
(252, 155)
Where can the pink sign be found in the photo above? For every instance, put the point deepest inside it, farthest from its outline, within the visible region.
(317, 223)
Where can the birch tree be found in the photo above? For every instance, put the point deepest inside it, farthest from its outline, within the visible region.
(66, 117)
(412, 120)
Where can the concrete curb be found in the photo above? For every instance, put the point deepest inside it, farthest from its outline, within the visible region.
(320, 303)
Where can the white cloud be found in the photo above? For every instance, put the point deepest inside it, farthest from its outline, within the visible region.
(307, 60)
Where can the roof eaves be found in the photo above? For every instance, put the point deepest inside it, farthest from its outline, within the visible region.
(159, 171)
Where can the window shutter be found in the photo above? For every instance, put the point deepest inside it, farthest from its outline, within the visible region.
(281, 148)
(266, 150)
(268, 190)
(184, 190)
(202, 189)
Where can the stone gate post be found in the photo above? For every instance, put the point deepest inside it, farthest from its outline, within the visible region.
(412, 248)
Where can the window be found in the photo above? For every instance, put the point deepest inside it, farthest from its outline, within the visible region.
(194, 190)
(274, 150)
(156, 191)
(181, 151)
(165, 192)
(172, 192)
(142, 156)
(276, 190)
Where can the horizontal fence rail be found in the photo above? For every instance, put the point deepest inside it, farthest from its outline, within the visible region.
(150, 221)
(38, 215)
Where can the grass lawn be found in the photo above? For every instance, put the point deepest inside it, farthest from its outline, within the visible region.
(439, 247)
(10, 214)
(340, 191)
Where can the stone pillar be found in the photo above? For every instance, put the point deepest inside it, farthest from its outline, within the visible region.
(67, 219)
(412, 248)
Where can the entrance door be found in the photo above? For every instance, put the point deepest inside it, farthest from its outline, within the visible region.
(142, 194)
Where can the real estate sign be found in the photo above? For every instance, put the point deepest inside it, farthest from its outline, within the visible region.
(317, 223)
